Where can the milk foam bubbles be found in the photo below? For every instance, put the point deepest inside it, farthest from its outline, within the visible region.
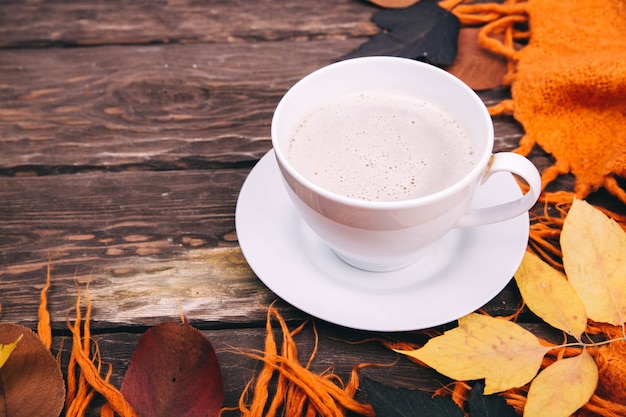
(380, 146)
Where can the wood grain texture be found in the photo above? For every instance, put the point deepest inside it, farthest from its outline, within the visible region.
(68, 23)
(150, 243)
(157, 107)
(153, 107)
(126, 131)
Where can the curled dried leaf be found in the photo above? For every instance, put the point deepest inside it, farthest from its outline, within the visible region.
(31, 380)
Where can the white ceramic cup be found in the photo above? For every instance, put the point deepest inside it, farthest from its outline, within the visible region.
(384, 235)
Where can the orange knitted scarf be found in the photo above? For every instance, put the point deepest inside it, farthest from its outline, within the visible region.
(568, 89)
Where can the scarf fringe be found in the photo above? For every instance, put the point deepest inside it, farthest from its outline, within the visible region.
(500, 31)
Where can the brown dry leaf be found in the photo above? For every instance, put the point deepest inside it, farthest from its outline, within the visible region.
(31, 381)
(7, 348)
(563, 387)
(174, 372)
(594, 258)
(475, 66)
(394, 4)
(550, 296)
(502, 352)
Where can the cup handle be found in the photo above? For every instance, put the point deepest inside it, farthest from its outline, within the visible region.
(516, 164)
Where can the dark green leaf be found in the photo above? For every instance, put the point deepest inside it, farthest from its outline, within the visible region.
(423, 31)
(488, 405)
(402, 402)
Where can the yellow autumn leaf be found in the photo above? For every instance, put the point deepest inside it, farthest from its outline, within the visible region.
(594, 258)
(563, 387)
(7, 349)
(502, 352)
(550, 296)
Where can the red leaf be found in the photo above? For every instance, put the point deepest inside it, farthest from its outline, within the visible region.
(174, 372)
(31, 382)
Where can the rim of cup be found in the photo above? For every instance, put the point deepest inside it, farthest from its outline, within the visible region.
(477, 170)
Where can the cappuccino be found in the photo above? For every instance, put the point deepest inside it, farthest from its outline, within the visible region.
(381, 146)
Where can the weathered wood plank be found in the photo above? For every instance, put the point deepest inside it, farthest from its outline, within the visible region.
(45, 23)
(166, 107)
(212, 288)
(156, 107)
(120, 214)
(151, 244)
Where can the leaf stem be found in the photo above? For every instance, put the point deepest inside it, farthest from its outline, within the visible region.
(592, 344)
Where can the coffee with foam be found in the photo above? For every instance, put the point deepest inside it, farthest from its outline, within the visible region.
(381, 146)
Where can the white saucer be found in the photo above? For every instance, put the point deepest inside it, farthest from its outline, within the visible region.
(458, 275)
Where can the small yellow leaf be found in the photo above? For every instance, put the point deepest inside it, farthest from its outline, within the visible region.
(594, 257)
(7, 349)
(502, 352)
(563, 387)
(550, 296)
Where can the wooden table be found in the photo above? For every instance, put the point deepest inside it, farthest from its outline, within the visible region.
(126, 132)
